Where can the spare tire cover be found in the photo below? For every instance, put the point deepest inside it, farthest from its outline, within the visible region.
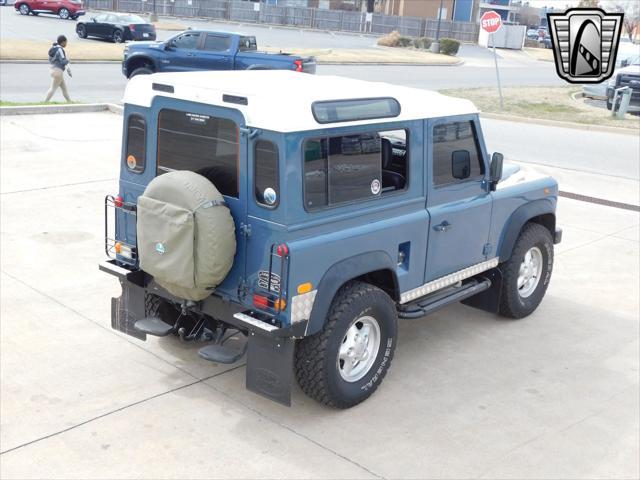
(186, 235)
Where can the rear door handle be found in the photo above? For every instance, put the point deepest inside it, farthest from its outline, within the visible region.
(442, 227)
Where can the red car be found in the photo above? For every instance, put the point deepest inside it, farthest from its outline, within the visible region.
(63, 8)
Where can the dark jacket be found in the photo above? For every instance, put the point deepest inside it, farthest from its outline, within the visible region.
(58, 57)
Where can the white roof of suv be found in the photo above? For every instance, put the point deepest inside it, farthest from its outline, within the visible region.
(280, 100)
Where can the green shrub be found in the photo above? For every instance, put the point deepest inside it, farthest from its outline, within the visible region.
(404, 41)
(449, 46)
(422, 43)
(390, 40)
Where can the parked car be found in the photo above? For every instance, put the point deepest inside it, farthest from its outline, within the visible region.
(532, 34)
(7, 3)
(626, 77)
(598, 91)
(65, 9)
(207, 50)
(308, 214)
(118, 27)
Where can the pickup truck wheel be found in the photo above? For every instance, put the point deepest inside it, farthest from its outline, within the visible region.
(343, 364)
(141, 71)
(527, 273)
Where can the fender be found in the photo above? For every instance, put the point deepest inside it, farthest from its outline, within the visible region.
(517, 220)
(340, 273)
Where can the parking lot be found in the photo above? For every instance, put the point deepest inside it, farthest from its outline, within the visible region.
(469, 395)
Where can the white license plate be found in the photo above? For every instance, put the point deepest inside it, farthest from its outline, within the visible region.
(145, 35)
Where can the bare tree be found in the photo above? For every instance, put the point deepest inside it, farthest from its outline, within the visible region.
(631, 10)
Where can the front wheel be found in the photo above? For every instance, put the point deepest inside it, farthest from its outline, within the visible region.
(343, 364)
(141, 71)
(527, 273)
(24, 9)
(63, 13)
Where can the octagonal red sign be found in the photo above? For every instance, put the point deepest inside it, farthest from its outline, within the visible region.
(490, 22)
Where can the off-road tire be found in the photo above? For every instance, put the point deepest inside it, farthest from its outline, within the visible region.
(141, 71)
(316, 366)
(64, 14)
(512, 304)
(24, 9)
(155, 306)
(118, 36)
(81, 31)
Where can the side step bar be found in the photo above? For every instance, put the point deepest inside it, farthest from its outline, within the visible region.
(438, 300)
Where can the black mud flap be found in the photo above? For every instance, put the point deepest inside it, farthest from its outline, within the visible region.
(127, 309)
(270, 367)
(488, 300)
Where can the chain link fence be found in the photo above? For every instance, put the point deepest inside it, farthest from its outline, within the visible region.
(334, 20)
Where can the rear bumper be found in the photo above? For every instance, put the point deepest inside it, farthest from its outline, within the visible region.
(270, 350)
(141, 36)
(79, 13)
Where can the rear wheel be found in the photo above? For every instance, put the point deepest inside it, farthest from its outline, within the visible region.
(82, 31)
(24, 9)
(343, 364)
(63, 13)
(527, 273)
(118, 37)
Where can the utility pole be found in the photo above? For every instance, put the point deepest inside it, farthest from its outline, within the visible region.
(435, 46)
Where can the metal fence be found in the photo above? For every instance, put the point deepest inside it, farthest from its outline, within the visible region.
(335, 20)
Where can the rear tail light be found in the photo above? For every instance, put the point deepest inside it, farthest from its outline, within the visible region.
(298, 64)
(282, 250)
(260, 301)
(118, 201)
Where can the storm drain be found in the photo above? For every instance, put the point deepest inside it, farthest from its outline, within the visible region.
(600, 201)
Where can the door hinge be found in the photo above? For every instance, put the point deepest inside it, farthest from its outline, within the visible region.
(487, 249)
(245, 229)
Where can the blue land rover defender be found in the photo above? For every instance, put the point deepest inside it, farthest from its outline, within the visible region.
(296, 218)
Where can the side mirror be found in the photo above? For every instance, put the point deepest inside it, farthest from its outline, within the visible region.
(497, 160)
(624, 63)
(93, 19)
(460, 164)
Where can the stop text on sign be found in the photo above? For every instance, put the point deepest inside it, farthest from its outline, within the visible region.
(491, 22)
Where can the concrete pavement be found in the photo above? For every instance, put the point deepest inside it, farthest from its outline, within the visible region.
(468, 395)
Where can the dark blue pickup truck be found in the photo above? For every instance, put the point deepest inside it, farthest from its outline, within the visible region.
(207, 50)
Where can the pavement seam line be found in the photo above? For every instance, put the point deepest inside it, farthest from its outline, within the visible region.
(603, 237)
(106, 329)
(98, 417)
(295, 432)
(89, 182)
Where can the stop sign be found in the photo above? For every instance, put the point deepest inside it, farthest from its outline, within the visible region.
(490, 22)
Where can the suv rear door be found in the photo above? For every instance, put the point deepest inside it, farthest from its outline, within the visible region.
(458, 198)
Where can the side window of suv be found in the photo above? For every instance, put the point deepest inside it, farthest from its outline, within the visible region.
(136, 138)
(267, 188)
(187, 41)
(346, 168)
(456, 153)
(217, 43)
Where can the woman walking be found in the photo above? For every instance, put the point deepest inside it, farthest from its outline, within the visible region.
(59, 63)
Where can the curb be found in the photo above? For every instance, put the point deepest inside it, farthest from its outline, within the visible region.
(50, 109)
(382, 64)
(557, 123)
(88, 62)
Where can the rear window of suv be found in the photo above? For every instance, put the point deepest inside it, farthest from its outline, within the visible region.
(201, 143)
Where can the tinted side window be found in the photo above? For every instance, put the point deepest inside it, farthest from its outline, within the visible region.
(101, 18)
(450, 142)
(342, 169)
(136, 136)
(200, 143)
(266, 173)
(186, 40)
(215, 43)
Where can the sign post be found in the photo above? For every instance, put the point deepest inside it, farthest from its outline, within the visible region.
(491, 22)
